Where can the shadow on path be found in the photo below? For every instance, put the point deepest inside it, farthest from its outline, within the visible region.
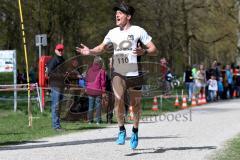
(70, 143)
(162, 150)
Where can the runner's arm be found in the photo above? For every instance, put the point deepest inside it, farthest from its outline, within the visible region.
(151, 49)
(87, 51)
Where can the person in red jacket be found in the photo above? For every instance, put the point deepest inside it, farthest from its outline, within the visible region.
(95, 88)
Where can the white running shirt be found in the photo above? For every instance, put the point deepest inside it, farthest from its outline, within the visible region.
(124, 42)
(212, 85)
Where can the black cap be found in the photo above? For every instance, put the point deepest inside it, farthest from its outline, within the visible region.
(129, 10)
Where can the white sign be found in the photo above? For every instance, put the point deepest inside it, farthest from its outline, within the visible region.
(41, 40)
(7, 61)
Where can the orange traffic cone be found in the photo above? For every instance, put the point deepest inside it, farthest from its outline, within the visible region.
(194, 102)
(177, 102)
(184, 102)
(234, 94)
(155, 104)
(130, 113)
(204, 101)
(200, 99)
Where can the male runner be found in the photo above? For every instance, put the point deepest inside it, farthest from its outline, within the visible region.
(126, 71)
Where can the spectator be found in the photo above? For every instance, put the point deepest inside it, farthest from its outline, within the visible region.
(194, 74)
(56, 82)
(32, 75)
(214, 70)
(73, 73)
(19, 77)
(163, 67)
(200, 80)
(238, 81)
(212, 88)
(188, 80)
(24, 76)
(80, 102)
(164, 71)
(168, 80)
(95, 88)
(220, 88)
(229, 82)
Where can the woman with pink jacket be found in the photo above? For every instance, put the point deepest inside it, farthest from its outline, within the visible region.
(95, 88)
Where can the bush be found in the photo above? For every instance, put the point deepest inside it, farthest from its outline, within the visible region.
(6, 78)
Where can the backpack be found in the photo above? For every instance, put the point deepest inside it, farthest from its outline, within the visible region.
(82, 83)
(169, 77)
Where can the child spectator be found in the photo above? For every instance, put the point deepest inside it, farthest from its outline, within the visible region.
(220, 88)
(212, 88)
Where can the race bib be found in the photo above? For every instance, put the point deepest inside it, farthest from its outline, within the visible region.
(125, 64)
(121, 59)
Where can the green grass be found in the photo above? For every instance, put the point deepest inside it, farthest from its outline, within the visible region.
(231, 151)
(14, 128)
(14, 125)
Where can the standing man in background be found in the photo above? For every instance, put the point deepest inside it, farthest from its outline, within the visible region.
(126, 66)
(56, 83)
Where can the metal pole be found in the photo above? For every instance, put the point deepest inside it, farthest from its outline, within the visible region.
(15, 79)
(39, 98)
(26, 60)
(39, 52)
(161, 102)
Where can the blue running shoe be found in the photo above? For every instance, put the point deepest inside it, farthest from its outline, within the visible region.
(134, 140)
(121, 137)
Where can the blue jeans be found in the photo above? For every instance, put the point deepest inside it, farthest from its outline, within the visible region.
(56, 97)
(94, 101)
(212, 95)
(238, 90)
(189, 87)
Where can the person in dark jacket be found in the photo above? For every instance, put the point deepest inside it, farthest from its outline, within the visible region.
(188, 80)
(56, 75)
(95, 88)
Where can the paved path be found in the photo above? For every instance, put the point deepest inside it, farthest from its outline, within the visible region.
(193, 134)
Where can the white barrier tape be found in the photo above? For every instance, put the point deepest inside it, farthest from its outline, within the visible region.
(19, 99)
